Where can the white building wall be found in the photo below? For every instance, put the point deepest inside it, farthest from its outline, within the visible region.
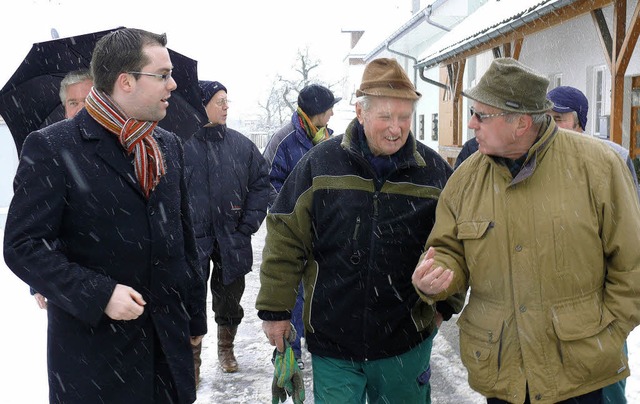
(573, 51)
(557, 51)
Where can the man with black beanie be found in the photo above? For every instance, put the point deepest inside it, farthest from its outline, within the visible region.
(307, 128)
(228, 186)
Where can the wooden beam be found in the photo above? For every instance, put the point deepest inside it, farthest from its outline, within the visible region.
(619, 26)
(457, 102)
(517, 48)
(634, 132)
(630, 41)
(507, 49)
(558, 16)
(617, 76)
(603, 33)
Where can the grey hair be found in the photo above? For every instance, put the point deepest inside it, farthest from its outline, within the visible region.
(576, 120)
(537, 119)
(73, 77)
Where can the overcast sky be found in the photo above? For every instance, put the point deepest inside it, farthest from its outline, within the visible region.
(242, 44)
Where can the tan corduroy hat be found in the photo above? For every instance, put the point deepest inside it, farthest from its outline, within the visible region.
(511, 86)
(384, 77)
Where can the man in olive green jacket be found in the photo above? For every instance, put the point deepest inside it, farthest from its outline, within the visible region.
(542, 226)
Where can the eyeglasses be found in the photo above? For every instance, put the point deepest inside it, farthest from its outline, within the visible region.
(480, 116)
(221, 102)
(165, 77)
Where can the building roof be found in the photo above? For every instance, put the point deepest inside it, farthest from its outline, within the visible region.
(376, 33)
(420, 28)
(492, 20)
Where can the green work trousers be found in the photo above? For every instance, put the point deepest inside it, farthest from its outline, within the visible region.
(397, 379)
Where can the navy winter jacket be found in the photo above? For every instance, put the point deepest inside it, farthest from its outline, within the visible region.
(285, 148)
(228, 187)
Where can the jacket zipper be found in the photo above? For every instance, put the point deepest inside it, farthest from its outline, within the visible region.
(356, 254)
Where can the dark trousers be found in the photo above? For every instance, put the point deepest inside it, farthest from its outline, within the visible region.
(225, 299)
(595, 397)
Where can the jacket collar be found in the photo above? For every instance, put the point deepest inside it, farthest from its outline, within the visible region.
(536, 152)
(211, 133)
(109, 149)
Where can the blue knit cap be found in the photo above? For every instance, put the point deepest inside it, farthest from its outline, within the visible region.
(208, 89)
(569, 99)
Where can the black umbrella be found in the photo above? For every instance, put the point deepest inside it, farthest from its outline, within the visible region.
(30, 99)
(185, 114)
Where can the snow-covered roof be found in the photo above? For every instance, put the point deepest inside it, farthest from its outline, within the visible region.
(419, 26)
(491, 20)
(377, 33)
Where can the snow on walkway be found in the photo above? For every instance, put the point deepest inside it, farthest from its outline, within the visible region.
(23, 353)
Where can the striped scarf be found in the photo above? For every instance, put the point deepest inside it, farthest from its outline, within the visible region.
(313, 133)
(135, 136)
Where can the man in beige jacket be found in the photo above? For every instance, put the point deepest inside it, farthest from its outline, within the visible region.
(542, 227)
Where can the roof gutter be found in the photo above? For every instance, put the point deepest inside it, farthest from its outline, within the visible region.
(420, 69)
(412, 23)
(515, 23)
(415, 75)
(426, 13)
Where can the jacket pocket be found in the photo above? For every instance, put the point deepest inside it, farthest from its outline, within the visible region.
(473, 230)
(475, 234)
(589, 341)
(236, 256)
(480, 344)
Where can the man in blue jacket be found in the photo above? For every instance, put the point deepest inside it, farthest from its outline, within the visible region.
(307, 128)
(228, 186)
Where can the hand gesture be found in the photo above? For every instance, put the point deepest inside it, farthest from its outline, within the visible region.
(125, 304)
(429, 280)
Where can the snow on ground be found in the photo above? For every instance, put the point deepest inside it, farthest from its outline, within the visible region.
(23, 377)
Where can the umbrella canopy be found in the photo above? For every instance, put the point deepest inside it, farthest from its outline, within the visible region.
(185, 114)
(30, 99)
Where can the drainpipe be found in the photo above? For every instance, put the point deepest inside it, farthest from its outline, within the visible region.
(427, 17)
(415, 80)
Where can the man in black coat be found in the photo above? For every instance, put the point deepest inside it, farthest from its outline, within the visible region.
(100, 225)
(228, 183)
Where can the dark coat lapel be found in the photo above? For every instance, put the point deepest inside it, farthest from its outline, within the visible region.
(109, 149)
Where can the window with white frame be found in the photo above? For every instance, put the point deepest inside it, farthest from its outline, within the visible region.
(601, 99)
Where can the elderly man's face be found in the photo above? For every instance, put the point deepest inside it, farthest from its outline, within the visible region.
(75, 96)
(217, 108)
(386, 124)
(496, 135)
(566, 120)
